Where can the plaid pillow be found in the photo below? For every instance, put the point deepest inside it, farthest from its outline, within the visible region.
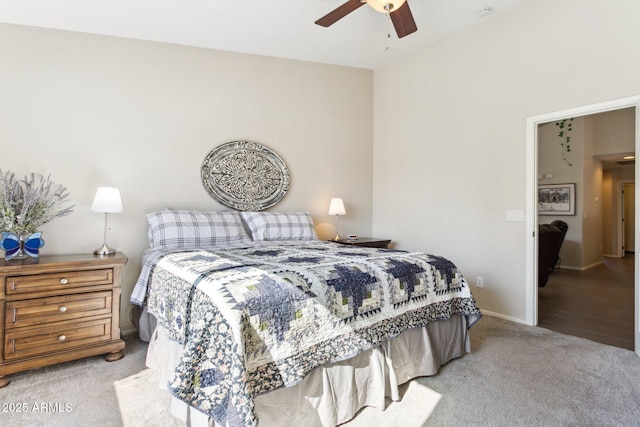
(280, 226)
(191, 229)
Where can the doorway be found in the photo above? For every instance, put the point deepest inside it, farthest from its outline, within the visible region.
(590, 295)
(531, 202)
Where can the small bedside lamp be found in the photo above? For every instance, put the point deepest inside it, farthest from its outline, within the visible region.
(106, 201)
(336, 207)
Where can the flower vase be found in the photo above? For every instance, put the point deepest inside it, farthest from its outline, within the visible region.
(22, 246)
(19, 253)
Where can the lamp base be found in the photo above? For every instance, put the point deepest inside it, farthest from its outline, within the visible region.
(104, 250)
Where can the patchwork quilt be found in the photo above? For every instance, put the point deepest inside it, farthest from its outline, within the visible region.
(253, 319)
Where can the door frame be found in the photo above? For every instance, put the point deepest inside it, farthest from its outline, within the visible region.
(622, 225)
(531, 217)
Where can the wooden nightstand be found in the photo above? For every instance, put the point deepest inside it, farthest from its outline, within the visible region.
(59, 308)
(368, 242)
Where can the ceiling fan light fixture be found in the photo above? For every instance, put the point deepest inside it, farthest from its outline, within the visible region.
(397, 11)
(385, 6)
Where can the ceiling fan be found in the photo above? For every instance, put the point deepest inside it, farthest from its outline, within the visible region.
(398, 10)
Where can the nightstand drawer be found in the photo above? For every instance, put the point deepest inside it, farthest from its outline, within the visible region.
(33, 341)
(56, 282)
(54, 309)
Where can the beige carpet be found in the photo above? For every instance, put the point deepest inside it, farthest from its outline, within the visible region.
(142, 403)
(417, 404)
(79, 393)
(417, 400)
(515, 376)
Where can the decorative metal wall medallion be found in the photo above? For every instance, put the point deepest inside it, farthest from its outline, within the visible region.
(245, 175)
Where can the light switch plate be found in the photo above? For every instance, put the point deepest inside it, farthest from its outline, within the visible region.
(515, 216)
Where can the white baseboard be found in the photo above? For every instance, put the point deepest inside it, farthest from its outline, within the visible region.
(595, 264)
(569, 267)
(585, 268)
(128, 329)
(502, 316)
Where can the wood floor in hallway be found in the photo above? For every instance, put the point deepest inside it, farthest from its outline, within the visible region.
(596, 304)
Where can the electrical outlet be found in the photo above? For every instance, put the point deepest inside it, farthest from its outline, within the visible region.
(479, 282)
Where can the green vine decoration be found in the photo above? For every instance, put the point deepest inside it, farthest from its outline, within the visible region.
(565, 143)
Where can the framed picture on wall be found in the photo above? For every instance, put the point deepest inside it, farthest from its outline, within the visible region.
(557, 199)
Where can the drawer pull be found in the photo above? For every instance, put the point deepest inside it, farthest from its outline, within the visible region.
(62, 338)
(63, 309)
(63, 281)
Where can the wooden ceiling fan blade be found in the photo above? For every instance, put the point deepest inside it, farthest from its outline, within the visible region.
(339, 13)
(403, 21)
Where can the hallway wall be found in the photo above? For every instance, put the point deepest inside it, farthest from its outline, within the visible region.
(594, 229)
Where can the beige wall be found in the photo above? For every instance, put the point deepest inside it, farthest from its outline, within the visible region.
(450, 129)
(591, 197)
(550, 162)
(582, 248)
(593, 138)
(448, 126)
(614, 132)
(141, 116)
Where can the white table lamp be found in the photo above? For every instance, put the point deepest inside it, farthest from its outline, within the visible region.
(336, 207)
(106, 201)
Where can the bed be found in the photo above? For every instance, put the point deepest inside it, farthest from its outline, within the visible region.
(261, 323)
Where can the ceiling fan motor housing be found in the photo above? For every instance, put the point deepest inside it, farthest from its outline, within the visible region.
(385, 6)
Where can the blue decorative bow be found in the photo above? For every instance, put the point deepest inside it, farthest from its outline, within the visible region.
(10, 243)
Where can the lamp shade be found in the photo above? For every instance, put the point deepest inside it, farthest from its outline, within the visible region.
(336, 207)
(107, 200)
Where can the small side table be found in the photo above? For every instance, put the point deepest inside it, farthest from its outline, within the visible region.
(369, 242)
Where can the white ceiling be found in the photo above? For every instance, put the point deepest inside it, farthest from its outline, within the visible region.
(280, 28)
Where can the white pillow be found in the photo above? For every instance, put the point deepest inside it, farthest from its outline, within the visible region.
(192, 229)
(280, 226)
